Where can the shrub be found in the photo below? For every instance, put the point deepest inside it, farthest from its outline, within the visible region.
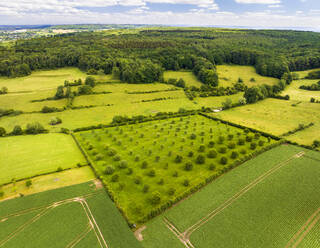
(17, 130)
(137, 180)
(106, 147)
(144, 165)
(137, 158)
(151, 173)
(241, 142)
(231, 145)
(123, 164)
(129, 171)
(222, 149)
(230, 136)
(201, 148)
(188, 166)
(161, 181)
(212, 154)
(193, 136)
(115, 178)
(211, 144)
(175, 174)
(155, 198)
(186, 183)
(171, 191)
(145, 188)
(261, 143)
(157, 158)
(220, 139)
(223, 160)
(248, 138)
(99, 157)
(28, 183)
(1, 193)
(112, 152)
(190, 154)
(117, 158)
(59, 169)
(109, 170)
(257, 136)
(234, 155)
(178, 159)
(212, 167)
(200, 159)
(243, 151)
(94, 152)
(253, 146)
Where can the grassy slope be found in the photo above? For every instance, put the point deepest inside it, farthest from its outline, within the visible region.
(26, 156)
(266, 216)
(48, 182)
(71, 219)
(278, 117)
(229, 74)
(301, 95)
(187, 76)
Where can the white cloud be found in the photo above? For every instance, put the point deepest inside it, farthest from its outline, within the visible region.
(258, 1)
(275, 6)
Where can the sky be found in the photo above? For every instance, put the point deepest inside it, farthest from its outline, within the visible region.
(292, 14)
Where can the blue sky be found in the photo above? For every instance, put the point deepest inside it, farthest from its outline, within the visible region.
(302, 14)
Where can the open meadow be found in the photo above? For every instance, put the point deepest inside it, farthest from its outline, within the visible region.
(27, 156)
(234, 208)
(278, 117)
(188, 76)
(297, 94)
(76, 216)
(229, 75)
(147, 165)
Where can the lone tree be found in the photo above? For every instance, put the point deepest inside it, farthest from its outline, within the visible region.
(28, 183)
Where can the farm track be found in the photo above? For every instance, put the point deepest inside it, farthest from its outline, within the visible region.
(185, 236)
(92, 224)
(304, 230)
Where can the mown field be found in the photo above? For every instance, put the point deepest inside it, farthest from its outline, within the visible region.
(278, 117)
(27, 156)
(229, 75)
(231, 211)
(86, 218)
(188, 76)
(149, 164)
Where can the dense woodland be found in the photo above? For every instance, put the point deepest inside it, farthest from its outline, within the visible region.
(141, 57)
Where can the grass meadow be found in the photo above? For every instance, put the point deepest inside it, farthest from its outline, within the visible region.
(35, 218)
(27, 156)
(278, 117)
(48, 182)
(229, 74)
(297, 94)
(241, 221)
(188, 76)
(167, 156)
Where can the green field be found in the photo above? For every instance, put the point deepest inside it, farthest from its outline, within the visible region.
(45, 80)
(234, 208)
(229, 74)
(278, 117)
(48, 182)
(188, 76)
(146, 155)
(75, 216)
(27, 156)
(297, 94)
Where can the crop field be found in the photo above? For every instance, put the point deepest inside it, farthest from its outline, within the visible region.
(297, 94)
(26, 156)
(188, 76)
(278, 117)
(229, 74)
(86, 218)
(149, 164)
(234, 208)
(48, 182)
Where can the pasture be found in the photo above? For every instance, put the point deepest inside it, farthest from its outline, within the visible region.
(297, 94)
(234, 208)
(188, 76)
(86, 218)
(147, 165)
(48, 182)
(229, 74)
(278, 117)
(27, 156)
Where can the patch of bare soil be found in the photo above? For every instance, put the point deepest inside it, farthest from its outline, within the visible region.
(138, 233)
